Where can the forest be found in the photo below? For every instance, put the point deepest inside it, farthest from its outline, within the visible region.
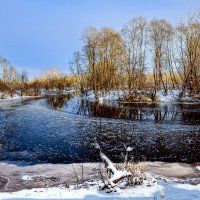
(145, 55)
(151, 55)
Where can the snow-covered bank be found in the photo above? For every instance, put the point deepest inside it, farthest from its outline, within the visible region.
(142, 96)
(106, 96)
(22, 175)
(19, 176)
(8, 101)
(174, 96)
(89, 190)
(11, 101)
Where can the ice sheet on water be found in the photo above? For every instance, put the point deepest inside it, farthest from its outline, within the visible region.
(36, 128)
(57, 136)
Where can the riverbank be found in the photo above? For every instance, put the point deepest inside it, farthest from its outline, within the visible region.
(15, 100)
(18, 180)
(49, 126)
(143, 96)
(9, 101)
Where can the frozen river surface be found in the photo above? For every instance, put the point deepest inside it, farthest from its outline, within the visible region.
(64, 130)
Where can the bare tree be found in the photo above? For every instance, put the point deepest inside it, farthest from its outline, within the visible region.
(134, 36)
(90, 38)
(11, 79)
(23, 81)
(188, 42)
(110, 51)
(79, 71)
(51, 77)
(160, 32)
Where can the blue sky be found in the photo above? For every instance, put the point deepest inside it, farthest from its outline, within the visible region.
(40, 34)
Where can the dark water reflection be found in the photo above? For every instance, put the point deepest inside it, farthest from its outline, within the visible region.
(63, 129)
(170, 141)
(150, 143)
(170, 112)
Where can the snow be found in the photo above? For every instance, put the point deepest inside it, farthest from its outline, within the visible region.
(101, 100)
(8, 97)
(7, 101)
(197, 168)
(26, 178)
(162, 190)
(129, 149)
(30, 178)
(69, 91)
(106, 96)
(118, 174)
(188, 187)
(172, 96)
(108, 161)
(62, 193)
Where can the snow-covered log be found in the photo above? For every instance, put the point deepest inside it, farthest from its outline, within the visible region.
(129, 175)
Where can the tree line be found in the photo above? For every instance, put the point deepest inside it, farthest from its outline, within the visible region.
(144, 54)
(16, 81)
(154, 55)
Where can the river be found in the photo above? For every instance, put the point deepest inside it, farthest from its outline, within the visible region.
(64, 129)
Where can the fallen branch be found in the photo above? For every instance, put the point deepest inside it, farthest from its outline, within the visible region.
(130, 174)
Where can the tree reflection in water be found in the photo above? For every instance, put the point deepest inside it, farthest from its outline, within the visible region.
(149, 142)
(33, 132)
(184, 113)
(57, 102)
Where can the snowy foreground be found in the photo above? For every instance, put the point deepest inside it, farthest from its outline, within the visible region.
(173, 181)
(89, 190)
